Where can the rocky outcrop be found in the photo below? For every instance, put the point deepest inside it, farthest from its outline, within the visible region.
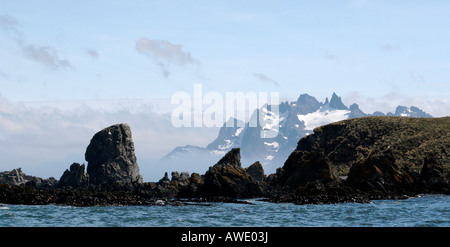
(18, 177)
(180, 180)
(178, 186)
(228, 179)
(76, 177)
(164, 180)
(195, 181)
(256, 171)
(352, 141)
(14, 177)
(111, 158)
(364, 159)
(303, 167)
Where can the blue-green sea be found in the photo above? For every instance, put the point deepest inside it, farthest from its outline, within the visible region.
(427, 210)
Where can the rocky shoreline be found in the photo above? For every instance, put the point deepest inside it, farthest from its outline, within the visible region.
(356, 160)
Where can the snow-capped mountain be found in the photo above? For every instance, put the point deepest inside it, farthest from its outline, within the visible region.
(296, 119)
(409, 112)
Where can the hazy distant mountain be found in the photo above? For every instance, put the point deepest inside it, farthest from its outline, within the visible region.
(296, 119)
(410, 112)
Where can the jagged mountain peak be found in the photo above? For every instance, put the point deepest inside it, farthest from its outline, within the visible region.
(305, 104)
(306, 99)
(336, 102)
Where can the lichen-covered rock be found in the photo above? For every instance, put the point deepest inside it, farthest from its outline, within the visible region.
(111, 158)
(75, 177)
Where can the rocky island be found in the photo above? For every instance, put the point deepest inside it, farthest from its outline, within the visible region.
(354, 160)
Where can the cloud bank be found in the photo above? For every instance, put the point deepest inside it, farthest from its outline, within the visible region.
(44, 140)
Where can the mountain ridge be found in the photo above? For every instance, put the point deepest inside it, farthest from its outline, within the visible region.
(297, 119)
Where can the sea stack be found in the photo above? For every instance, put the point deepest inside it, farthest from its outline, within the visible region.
(111, 158)
(228, 179)
(75, 177)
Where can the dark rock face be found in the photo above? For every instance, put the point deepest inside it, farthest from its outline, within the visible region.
(194, 182)
(181, 180)
(379, 172)
(110, 156)
(178, 186)
(256, 171)
(228, 179)
(75, 177)
(303, 167)
(432, 175)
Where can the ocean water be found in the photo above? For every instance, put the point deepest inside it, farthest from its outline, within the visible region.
(428, 210)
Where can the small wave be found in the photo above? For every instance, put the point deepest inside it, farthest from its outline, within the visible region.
(241, 210)
(4, 208)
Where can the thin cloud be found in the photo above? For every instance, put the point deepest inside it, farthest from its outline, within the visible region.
(8, 22)
(164, 53)
(4, 75)
(331, 56)
(265, 78)
(46, 56)
(10, 25)
(389, 47)
(92, 53)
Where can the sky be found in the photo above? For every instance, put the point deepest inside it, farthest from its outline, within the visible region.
(71, 68)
